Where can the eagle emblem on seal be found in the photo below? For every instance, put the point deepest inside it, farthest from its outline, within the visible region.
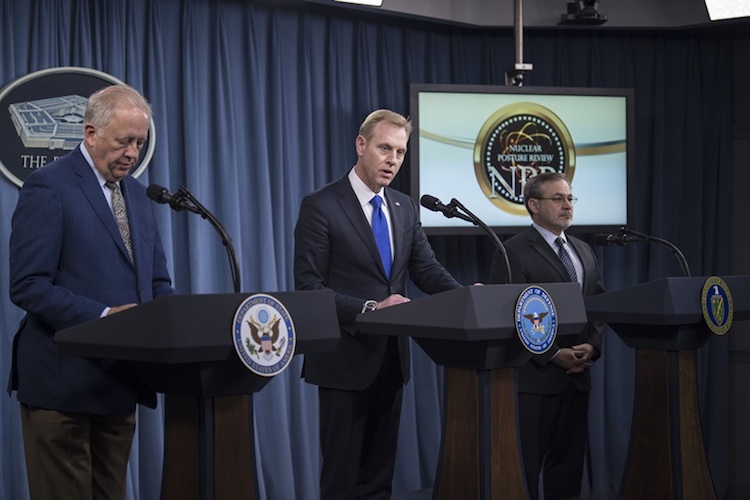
(536, 320)
(265, 338)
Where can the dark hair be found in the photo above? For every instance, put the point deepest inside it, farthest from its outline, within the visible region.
(533, 187)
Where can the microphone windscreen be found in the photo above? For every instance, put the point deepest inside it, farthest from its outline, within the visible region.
(156, 193)
(603, 240)
(429, 202)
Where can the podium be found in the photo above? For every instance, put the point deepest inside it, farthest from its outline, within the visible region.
(182, 346)
(663, 321)
(471, 331)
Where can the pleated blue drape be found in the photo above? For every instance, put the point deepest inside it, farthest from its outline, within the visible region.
(256, 105)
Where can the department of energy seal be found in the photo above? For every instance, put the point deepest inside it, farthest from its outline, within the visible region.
(536, 320)
(516, 143)
(717, 305)
(263, 335)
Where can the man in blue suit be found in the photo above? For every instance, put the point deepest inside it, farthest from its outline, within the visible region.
(361, 381)
(71, 262)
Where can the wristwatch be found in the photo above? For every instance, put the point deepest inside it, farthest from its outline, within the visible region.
(369, 306)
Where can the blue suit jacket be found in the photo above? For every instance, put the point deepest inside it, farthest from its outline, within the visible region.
(335, 249)
(67, 263)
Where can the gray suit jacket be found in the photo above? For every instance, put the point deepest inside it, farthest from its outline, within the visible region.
(532, 260)
(335, 249)
(67, 263)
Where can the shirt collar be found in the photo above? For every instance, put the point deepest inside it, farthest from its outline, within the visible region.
(364, 193)
(100, 178)
(549, 236)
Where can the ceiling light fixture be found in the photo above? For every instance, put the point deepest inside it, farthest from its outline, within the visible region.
(727, 9)
(372, 3)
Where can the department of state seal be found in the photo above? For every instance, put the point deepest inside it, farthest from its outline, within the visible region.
(263, 335)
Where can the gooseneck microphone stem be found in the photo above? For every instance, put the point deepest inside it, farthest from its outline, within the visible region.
(666, 244)
(452, 210)
(225, 239)
(478, 222)
(184, 200)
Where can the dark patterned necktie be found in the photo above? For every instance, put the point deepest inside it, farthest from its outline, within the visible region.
(121, 216)
(380, 230)
(566, 260)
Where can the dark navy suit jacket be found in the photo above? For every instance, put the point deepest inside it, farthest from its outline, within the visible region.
(335, 249)
(67, 263)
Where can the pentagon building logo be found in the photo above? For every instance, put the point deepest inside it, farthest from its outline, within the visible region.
(41, 119)
(55, 123)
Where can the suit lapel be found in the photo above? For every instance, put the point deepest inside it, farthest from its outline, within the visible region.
(352, 210)
(542, 247)
(93, 193)
(586, 263)
(397, 227)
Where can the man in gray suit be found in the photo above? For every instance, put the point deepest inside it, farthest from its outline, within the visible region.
(553, 388)
(84, 244)
(336, 247)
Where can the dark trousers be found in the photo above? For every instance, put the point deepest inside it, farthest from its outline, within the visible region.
(359, 434)
(75, 456)
(554, 435)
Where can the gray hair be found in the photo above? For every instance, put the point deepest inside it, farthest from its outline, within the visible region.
(103, 103)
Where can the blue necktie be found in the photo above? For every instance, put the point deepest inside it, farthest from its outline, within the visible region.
(566, 260)
(380, 230)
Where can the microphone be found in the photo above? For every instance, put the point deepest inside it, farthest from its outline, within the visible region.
(184, 200)
(431, 203)
(626, 236)
(160, 194)
(622, 239)
(604, 240)
(452, 210)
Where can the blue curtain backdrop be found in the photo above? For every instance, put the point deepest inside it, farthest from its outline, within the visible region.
(256, 105)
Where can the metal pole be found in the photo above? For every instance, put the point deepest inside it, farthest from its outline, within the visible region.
(518, 30)
(515, 75)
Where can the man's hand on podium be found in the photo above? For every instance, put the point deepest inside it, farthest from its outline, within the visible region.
(116, 309)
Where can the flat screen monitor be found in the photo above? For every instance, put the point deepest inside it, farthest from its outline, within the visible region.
(479, 145)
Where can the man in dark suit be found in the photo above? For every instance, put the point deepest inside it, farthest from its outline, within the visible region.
(361, 381)
(70, 263)
(553, 388)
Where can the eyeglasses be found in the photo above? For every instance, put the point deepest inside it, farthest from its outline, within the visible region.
(558, 200)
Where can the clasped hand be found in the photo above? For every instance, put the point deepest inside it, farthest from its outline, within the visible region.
(576, 359)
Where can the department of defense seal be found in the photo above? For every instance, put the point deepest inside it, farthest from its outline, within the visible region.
(717, 305)
(536, 320)
(517, 142)
(263, 335)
